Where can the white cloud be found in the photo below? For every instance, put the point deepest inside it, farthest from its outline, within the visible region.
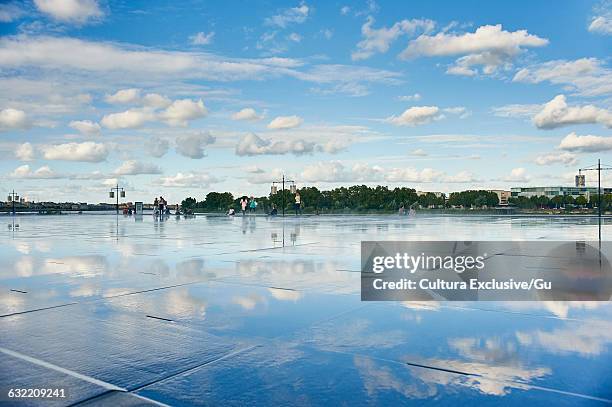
(10, 12)
(601, 25)
(87, 152)
(293, 15)
(12, 119)
(379, 40)
(586, 144)
(517, 175)
(180, 112)
(112, 64)
(584, 76)
(184, 180)
(43, 172)
(344, 10)
(601, 22)
(419, 152)
(285, 122)
(192, 145)
(564, 158)
(157, 147)
(461, 177)
(557, 113)
(129, 119)
(251, 144)
(124, 96)
(202, 38)
(336, 171)
(295, 37)
(247, 113)
(489, 46)
(25, 152)
(156, 100)
(517, 110)
(416, 115)
(73, 11)
(410, 98)
(86, 127)
(134, 167)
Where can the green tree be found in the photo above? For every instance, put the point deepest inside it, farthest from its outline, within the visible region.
(218, 201)
(581, 201)
(188, 203)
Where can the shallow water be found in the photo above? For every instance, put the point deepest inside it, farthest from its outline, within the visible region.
(218, 310)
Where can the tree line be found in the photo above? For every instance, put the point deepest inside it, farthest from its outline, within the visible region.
(354, 198)
(562, 202)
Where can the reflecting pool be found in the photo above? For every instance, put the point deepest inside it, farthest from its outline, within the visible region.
(264, 311)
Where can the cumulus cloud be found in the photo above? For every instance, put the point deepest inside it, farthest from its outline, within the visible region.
(157, 147)
(202, 38)
(517, 175)
(247, 113)
(25, 152)
(251, 144)
(379, 40)
(293, 15)
(557, 113)
(416, 115)
(191, 179)
(177, 113)
(285, 122)
(155, 100)
(86, 127)
(585, 144)
(336, 171)
(124, 96)
(564, 158)
(129, 119)
(601, 22)
(70, 11)
(134, 167)
(133, 96)
(87, 152)
(193, 145)
(490, 46)
(180, 112)
(584, 76)
(43, 172)
(601, 25)
(13, 119)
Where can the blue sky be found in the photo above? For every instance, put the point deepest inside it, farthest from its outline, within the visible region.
(181, 98)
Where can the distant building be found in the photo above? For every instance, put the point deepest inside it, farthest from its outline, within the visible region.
(551, 192)
(502, 196)
(437, 194)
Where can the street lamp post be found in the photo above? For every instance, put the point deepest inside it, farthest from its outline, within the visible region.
(599, 169)
(12, 197)
(114, 192)
(274, 189)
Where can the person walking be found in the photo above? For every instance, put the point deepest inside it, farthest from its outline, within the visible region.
(298, 204)
(155, 206)
(162, 206)
(243, 205)
(252, 205)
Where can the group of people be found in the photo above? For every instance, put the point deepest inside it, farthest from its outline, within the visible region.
(250, 205)
(160, 207)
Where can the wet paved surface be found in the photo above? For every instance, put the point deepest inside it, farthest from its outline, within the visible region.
(217, 311)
